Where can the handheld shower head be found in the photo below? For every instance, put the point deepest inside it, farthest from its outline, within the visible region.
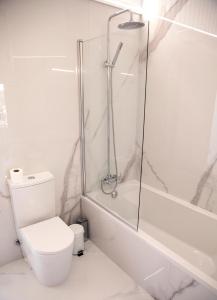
(120, 45)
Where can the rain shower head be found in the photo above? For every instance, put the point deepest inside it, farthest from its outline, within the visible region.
(131, 24)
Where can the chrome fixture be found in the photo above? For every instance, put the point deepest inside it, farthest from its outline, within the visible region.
(114, 194)
(117, 53)
(131, 24)
(112, 179)
(81, 110)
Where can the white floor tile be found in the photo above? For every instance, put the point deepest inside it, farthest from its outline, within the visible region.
(93, 277)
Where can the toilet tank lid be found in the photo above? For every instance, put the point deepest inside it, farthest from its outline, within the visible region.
(31, 179)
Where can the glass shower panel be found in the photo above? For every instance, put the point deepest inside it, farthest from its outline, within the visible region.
(128, 103)
(180, 137)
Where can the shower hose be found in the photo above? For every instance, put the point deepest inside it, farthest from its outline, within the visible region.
(114, 144)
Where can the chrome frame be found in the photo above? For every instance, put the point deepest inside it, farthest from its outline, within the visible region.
(81, 113)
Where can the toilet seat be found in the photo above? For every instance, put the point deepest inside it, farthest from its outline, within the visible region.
(47, 237)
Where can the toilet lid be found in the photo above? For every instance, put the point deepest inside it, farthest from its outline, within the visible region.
(48, 237)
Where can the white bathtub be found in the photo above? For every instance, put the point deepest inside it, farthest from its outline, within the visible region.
(125, 205)
(184, 234)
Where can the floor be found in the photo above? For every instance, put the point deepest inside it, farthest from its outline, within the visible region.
(94, 277)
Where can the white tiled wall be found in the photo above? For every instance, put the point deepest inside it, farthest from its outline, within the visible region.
(39, 89)
(126, 100)
(180, 133)
(38, 62)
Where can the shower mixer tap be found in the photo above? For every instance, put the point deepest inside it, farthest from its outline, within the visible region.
(111, 178)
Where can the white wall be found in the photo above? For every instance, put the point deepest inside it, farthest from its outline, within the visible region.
(38, 72)
(126, 100)
(133, 4)
(180, 133)
(39, 88)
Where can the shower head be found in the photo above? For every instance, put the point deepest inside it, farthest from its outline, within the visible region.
(117, 53)
(131, 24)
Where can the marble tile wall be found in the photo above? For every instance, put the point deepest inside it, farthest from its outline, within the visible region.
(128, 100)
(39, 106)
(39, 121)
(180, 145)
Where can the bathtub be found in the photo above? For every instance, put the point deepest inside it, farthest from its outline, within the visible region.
(179, 238)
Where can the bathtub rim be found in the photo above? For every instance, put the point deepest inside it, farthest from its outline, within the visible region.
(169, 196)
(180, 201)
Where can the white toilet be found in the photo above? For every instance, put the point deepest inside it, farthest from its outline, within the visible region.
(46, 241)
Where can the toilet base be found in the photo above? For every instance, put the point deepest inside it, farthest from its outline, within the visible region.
(52, 269)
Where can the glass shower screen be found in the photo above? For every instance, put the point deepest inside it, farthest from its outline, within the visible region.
(120, 129)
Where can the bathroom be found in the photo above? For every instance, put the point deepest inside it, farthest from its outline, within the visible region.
(107, 113)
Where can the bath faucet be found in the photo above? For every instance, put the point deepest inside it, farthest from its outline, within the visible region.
(111, 178)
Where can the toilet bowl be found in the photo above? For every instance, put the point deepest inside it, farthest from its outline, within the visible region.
(46, 241)
(48, 247)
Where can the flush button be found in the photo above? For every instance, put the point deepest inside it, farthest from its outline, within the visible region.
(31, 177)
